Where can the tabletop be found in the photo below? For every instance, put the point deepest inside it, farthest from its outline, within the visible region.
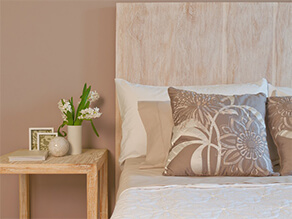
(80, 163)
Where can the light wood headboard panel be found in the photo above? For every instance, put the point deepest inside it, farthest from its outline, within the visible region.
(202, 44)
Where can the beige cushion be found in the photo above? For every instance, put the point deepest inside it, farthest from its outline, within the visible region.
(279, 115)
(218, 135)
(157, 120)
(275, 91)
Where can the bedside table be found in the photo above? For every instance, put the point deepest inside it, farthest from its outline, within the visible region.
(92, 162)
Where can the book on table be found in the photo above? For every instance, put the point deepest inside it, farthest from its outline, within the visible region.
(27, 155)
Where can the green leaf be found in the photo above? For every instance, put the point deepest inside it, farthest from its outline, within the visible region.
(79, 106)
(70, 118)
(84, 89)
(83, 101)
(87, 105)
(73, 110)
(61, 126)
(78, 122)
(94, 129)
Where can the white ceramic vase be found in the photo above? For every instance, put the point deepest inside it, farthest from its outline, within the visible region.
(75, 139)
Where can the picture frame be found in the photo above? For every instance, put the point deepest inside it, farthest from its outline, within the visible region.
(33, 136)
(43, 140)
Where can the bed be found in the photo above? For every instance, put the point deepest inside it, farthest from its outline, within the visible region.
(148, 194)
(198, 47)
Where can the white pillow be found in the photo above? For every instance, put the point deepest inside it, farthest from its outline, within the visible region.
(134, 143)
(279, 91)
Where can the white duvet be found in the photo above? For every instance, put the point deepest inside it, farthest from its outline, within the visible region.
(147, 194)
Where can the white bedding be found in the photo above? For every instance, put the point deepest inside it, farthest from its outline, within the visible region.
(148, 194)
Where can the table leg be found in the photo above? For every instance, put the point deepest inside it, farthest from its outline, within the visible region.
(104, 191)
(24, 211)
(92, 193)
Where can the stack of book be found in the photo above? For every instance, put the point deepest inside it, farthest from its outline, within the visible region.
(27, 155)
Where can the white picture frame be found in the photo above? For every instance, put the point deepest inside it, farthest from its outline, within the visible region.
(43, 140)
(33, 136)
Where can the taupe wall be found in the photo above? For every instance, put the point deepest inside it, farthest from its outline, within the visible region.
(48, 50)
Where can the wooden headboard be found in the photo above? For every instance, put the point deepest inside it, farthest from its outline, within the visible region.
(202, 44)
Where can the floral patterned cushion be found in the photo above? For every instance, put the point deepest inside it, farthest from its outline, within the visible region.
(280, 124)
(217, 135)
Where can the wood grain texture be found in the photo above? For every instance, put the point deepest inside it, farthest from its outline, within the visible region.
(70, 164)
(249, 41)
(202, 44)
(92, 193)
(104, 191)
(90, 162)
(169, 43)
(24, 202)
(283, 44)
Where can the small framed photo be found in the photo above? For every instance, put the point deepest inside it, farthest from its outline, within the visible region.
(43, 140)
(33, 136)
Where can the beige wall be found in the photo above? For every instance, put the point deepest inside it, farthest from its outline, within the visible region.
(48, 50)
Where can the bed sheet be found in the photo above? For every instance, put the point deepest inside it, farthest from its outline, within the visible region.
(148, 194)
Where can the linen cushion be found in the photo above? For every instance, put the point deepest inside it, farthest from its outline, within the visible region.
(134, 139)
(280, 124)
(275, 91)
(157, 120)
(218, 135)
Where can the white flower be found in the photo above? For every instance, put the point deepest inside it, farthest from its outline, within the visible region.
(60, 105)
(66, 107)
(64, 117)
(89, 113)
(93, 96)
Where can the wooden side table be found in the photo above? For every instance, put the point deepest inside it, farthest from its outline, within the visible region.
(92, 162)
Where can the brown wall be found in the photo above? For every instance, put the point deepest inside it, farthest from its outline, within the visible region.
(49, 49)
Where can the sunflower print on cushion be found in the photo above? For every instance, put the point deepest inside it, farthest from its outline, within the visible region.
(217, 135)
